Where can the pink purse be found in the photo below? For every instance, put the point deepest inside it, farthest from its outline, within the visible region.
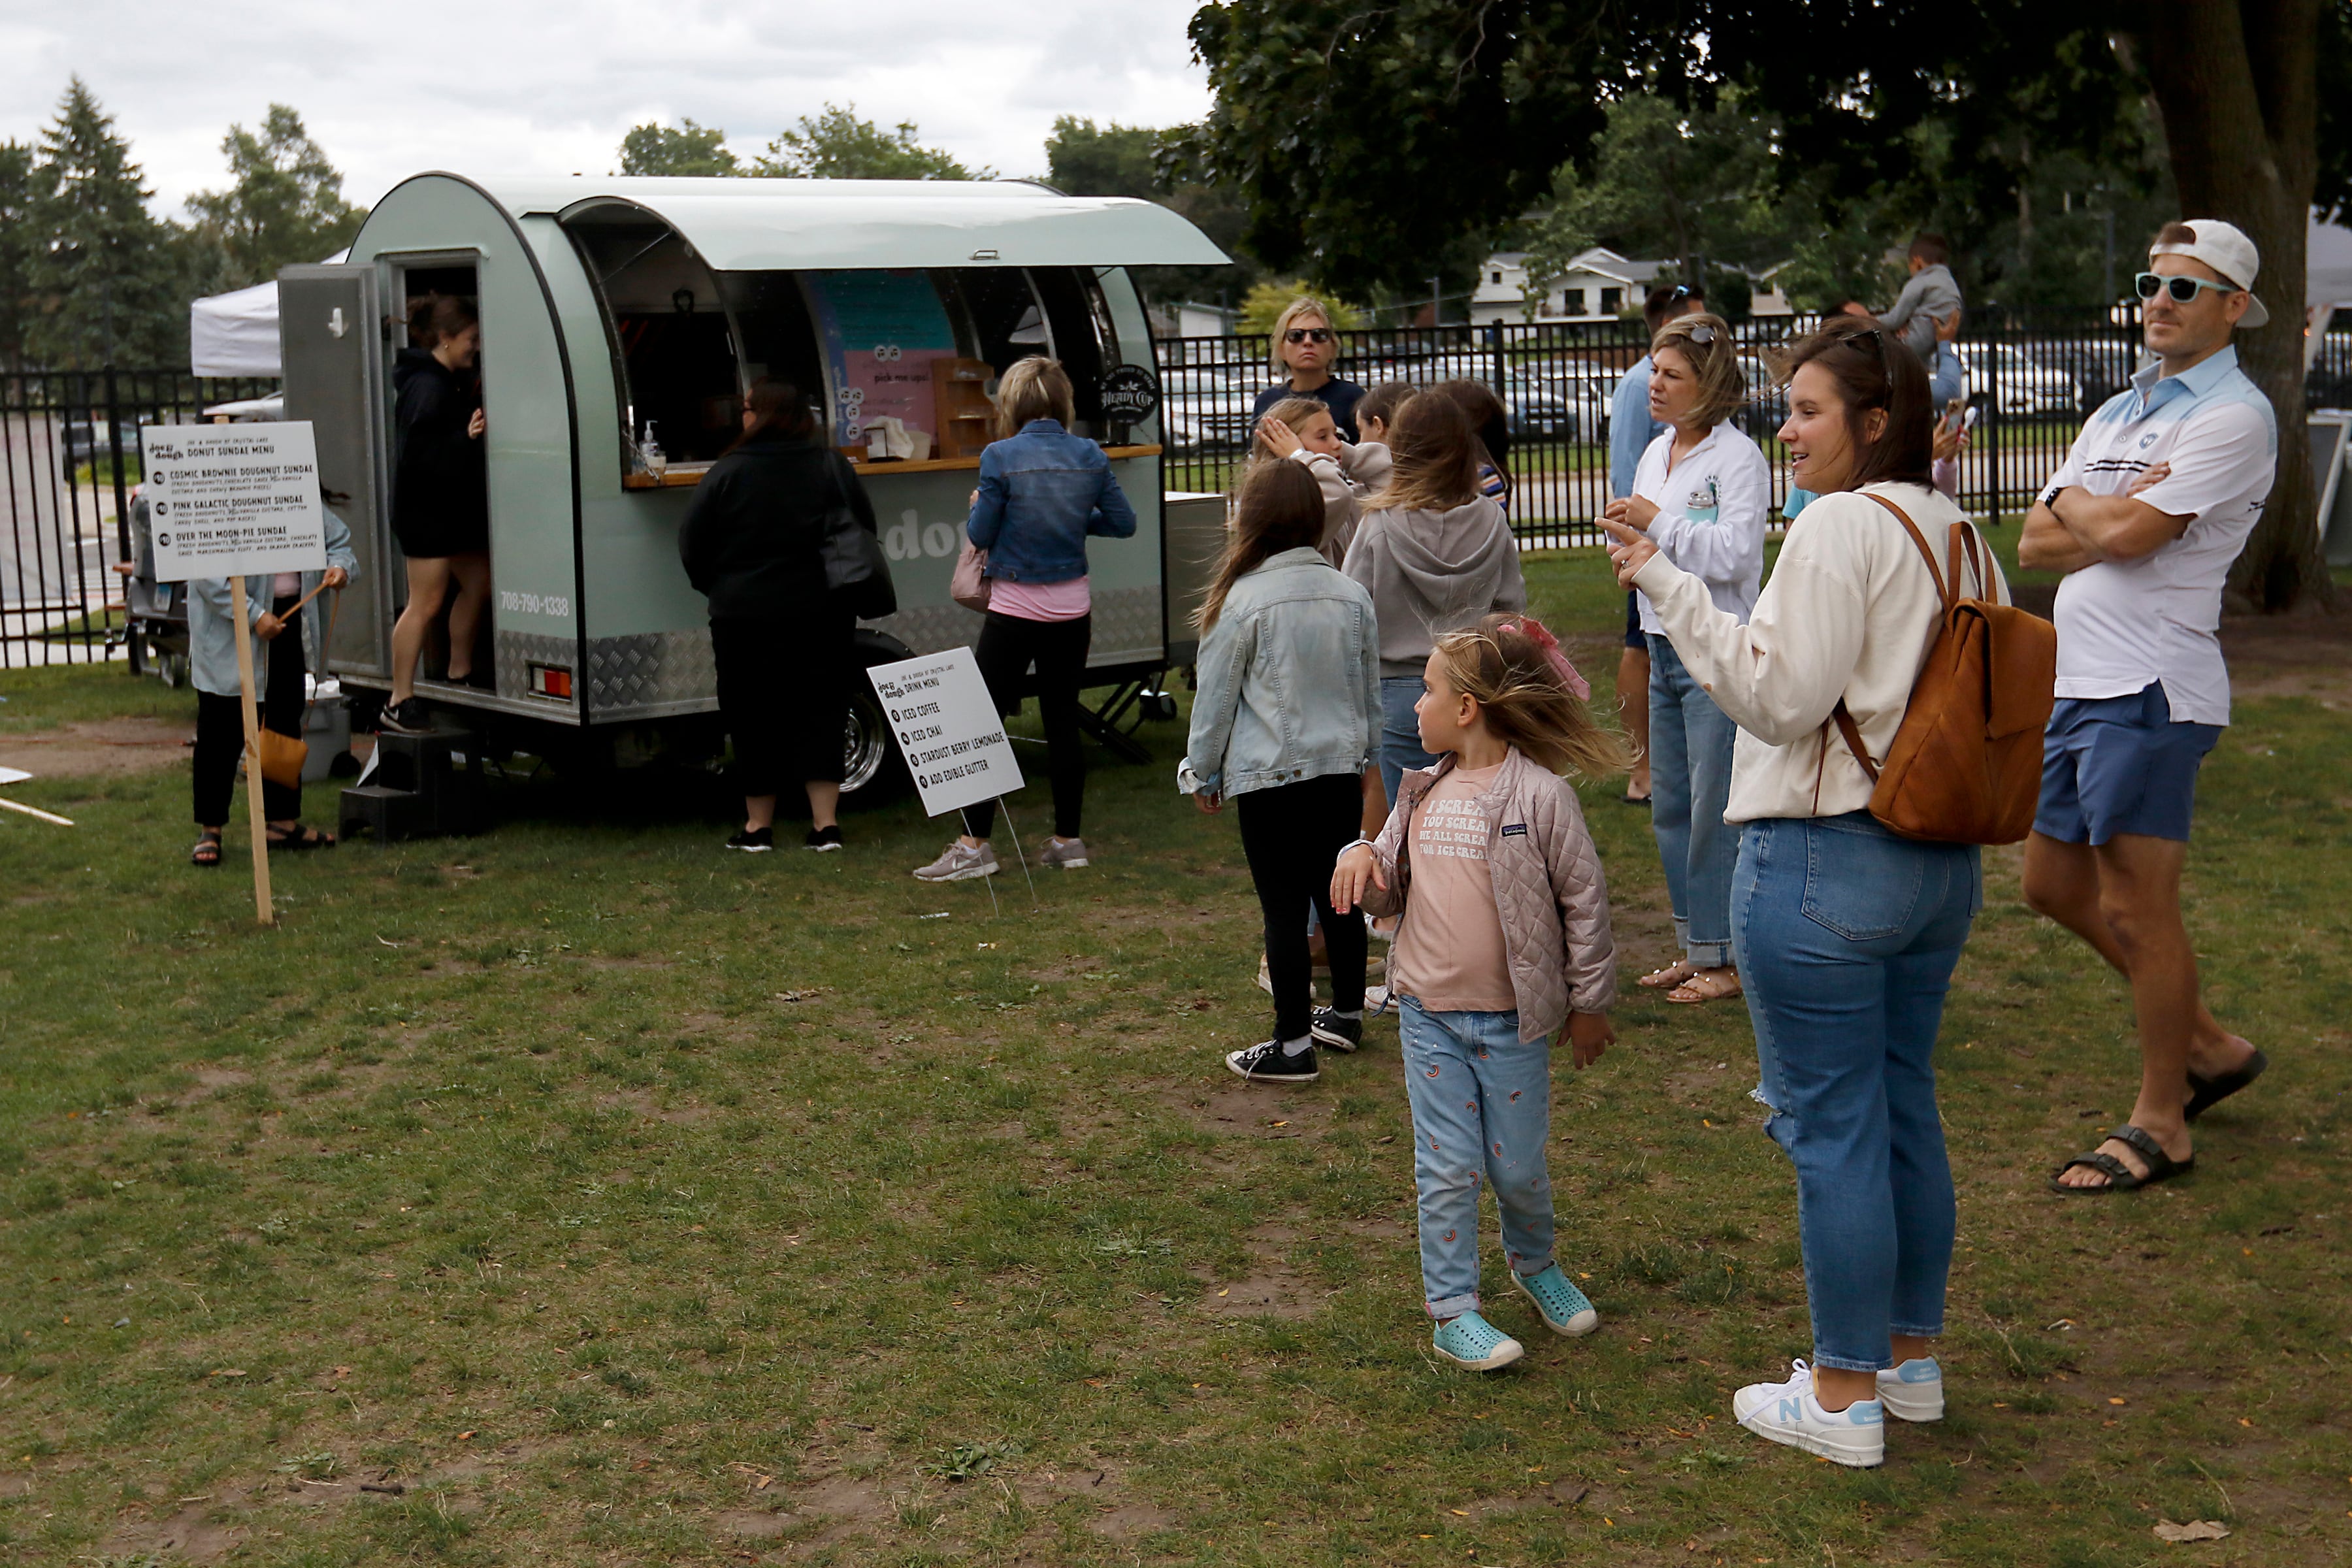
(970, 585)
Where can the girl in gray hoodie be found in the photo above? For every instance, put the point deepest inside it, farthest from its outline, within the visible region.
(1436, 555)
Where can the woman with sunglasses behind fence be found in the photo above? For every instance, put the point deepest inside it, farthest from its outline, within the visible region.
(1304, 347)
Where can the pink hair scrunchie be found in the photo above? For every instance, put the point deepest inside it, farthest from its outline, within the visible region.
(1536, 632)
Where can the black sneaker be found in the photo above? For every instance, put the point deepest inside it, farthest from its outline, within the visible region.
(407, 717)
(754, 841)
(824, 840)
(1264, 1063)
(1340, 1033)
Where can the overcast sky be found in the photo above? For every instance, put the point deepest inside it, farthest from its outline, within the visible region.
(550, 86)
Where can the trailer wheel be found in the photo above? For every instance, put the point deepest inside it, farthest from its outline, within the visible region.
(869, 757)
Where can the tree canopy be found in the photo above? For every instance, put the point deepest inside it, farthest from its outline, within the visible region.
(284, 203)
(685, 149)
(833, 145)
(1083, 159)
(103, 277)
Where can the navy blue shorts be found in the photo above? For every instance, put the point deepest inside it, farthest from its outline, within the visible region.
(2119, 764)
(1635, 638)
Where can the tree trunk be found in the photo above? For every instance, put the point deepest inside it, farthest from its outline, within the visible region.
(2236, 85)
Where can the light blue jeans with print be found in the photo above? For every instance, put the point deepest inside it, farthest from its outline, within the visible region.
(1399, 730)
(1481, 1111)
(1690, 784)
(1846, 937)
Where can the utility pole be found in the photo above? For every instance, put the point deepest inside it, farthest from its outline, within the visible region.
(1437, 304)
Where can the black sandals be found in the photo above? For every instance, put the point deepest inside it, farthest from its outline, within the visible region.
(2205, 1093)
(2161, 1166)
(207, 852)
(301, 838)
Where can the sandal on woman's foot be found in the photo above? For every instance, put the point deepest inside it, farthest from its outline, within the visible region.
(1666, 979)
(207, 851)
(301, 838)
(2121, 1178)
(2205, 1093)
(1707, 987)
(1630, 798)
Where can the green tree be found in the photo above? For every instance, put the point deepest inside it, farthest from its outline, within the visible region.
(1264, 303)
(107, 280)
(1083, 159)
(837, 145)
(654, 148)
(1481, 104)
(284, 203)
(16, 250)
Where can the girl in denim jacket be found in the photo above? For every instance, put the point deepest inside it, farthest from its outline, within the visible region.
(1504, 939)
(1287, 714)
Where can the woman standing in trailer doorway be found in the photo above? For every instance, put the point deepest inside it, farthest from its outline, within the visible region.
(440, 497)
(1304, 347)
(1703, 493)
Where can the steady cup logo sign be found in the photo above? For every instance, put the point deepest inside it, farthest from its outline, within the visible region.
(1131, 394)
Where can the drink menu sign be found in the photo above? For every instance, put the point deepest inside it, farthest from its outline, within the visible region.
(881, 330)
(230, 500)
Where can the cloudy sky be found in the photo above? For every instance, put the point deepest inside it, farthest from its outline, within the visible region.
(550, 86)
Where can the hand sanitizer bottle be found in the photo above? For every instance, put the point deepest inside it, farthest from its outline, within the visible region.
(657, 461)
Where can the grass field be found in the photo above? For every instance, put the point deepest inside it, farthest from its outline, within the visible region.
(468, 1216)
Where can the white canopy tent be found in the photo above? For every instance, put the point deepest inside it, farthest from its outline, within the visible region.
(236, 333)
(2327, 266)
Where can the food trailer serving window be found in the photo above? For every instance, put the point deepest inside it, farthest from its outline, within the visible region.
(675, 350)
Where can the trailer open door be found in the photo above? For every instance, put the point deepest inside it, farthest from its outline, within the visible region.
(331, 337)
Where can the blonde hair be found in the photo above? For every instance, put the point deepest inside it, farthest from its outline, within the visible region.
(1714, 362)
(1293, 412)
(1303, 306)
(1279, 507)
(1034, 388)
(1437, 456)
(1507, 663)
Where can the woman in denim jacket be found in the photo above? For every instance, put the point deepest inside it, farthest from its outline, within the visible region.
(1043, 491)
(1286, 713)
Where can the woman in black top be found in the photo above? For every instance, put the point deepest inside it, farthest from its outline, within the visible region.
(440, 496)
(780, 643)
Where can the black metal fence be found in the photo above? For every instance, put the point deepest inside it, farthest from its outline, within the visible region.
(2032, 379)
(69, 458)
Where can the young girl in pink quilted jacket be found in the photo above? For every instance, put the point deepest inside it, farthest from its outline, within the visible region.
(1505, 941)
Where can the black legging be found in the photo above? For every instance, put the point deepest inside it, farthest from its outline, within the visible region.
(784, 691)
(1007, 647)
(1291, 834)
(220, 730)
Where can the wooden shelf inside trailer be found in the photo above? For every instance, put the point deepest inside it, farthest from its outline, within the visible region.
(688, 474)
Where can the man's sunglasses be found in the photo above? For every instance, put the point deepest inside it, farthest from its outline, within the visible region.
(1307, 335)
(2182, 288)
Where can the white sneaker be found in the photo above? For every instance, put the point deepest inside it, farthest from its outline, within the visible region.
(1913, 1391)
(960, 862)
(1788, 1413)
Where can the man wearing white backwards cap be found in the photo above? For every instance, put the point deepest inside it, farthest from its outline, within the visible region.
(2145, 517)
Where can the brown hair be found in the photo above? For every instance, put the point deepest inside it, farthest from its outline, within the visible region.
(1872, 369)
(1280, 508)
(1490, 424)
(432, 317)
(2174, 234)
(1506, 663)
(1932, 248)
(1382, 402)
(1437, 456)
(1713, 361)
(1034, 388)
(777, 409)
(1664, 297)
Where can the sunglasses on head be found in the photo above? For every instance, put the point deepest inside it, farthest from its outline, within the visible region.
(2182, 289)
(1307, 335)
(1701, 334)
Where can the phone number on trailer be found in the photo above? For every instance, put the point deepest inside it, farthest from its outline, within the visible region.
(535, 604)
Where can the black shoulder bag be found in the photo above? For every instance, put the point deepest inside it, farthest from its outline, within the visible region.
(857, 570)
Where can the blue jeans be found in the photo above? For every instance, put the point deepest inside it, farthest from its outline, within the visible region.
(1481, 1110)
(1846, 937)
(1690, 784)
(1399, 730)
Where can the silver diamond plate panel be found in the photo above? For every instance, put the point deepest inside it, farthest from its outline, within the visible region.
(517, 651)
(651, 675)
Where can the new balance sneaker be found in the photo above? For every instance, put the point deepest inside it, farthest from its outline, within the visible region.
(824, 840)
(1788, 1413)
(960, 862)
(1332, 1030)
(1471, 1341)
(754, 840)
(1376, 1000)
(408, 718)
(1070, 854)
(1266, 1062)
(1564, 1307)
(1913, 1391)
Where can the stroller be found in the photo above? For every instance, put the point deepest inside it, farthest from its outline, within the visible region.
(156, 613)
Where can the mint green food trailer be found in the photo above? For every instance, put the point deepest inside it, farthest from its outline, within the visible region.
(609, 305)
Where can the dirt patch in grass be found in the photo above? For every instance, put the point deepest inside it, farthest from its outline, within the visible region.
(2291, 656)
(102, 748)
(188, 1535)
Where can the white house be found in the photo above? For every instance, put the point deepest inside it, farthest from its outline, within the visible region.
(1765, 298)
(1598, 284)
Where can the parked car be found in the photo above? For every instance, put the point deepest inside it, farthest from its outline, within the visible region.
(1205, 408)
(86, 440)
(2014, 383)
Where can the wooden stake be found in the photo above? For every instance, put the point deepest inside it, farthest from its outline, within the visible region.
(262, 909)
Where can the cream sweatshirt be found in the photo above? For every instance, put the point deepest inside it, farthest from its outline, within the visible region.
(1850, 611)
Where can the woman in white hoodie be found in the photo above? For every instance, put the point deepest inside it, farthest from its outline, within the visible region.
(1437, 555)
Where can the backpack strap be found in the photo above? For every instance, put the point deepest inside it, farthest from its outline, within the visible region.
(1948, 586)
(1949, 592)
